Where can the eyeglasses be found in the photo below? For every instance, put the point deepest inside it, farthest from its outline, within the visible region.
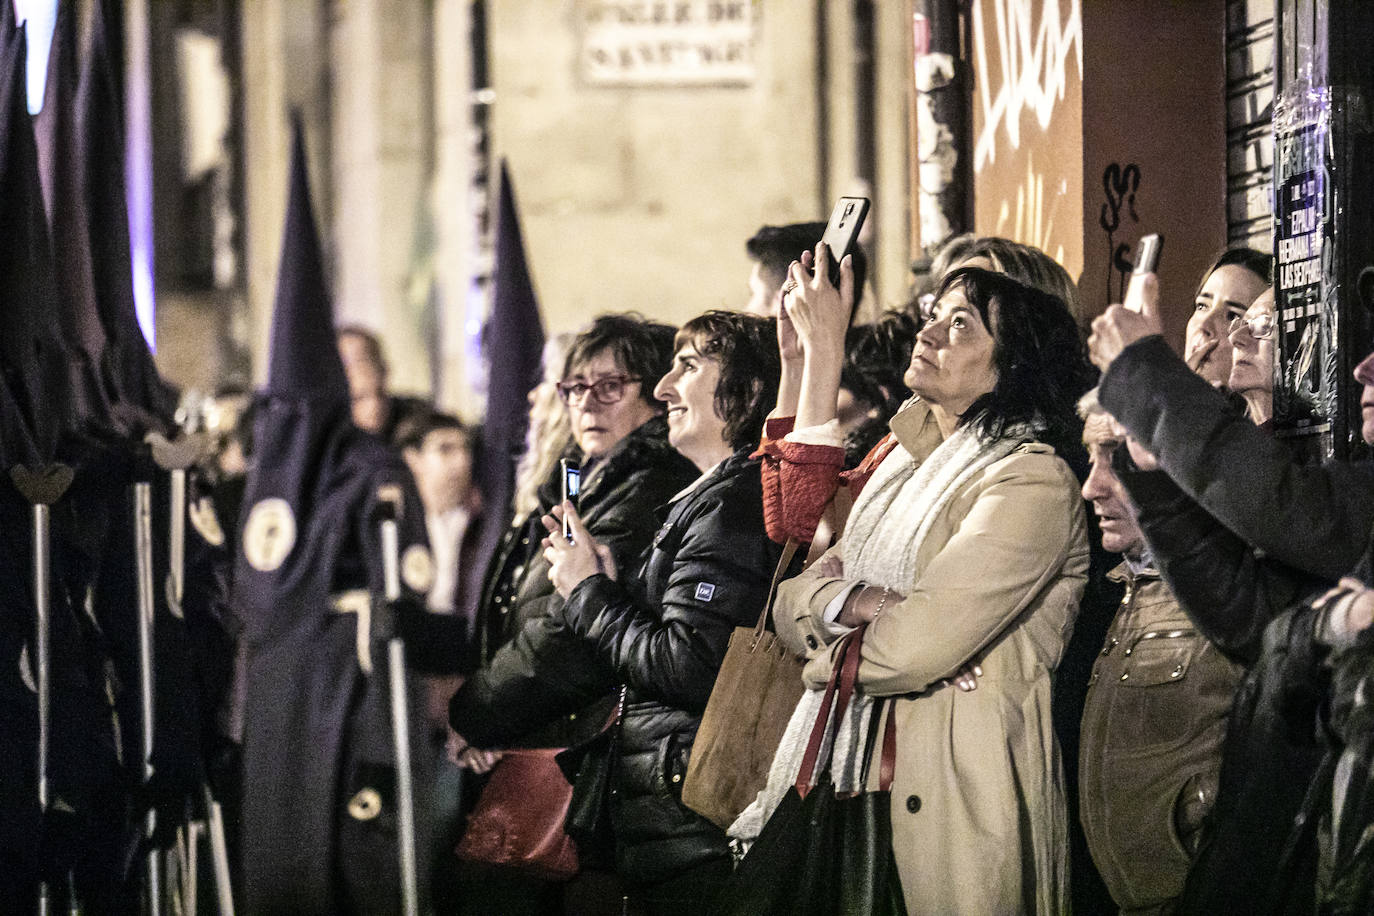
(1261, 326)
(606, 390)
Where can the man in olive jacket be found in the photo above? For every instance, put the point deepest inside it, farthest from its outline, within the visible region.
(1156, 710)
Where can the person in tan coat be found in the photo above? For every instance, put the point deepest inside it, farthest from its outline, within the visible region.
(967, 547)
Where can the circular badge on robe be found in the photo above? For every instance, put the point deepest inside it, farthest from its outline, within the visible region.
(365, 805)
(269, 534)
(417, 568)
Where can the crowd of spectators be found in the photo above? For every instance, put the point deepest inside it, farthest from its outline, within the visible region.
(1123, 630)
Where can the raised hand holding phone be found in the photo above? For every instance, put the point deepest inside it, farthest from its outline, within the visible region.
(572, 486)
(842, 233)
(1142, 282)
(1138, 317)
(573, 558)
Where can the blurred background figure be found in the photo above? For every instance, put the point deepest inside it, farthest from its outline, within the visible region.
(871, 389)
(375, 409)
(549, 432)
(771, 249)
(440, 452)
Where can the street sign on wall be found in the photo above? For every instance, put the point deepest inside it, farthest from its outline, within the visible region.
(668, 42)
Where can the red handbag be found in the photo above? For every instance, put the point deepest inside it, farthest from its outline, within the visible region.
(518, 821)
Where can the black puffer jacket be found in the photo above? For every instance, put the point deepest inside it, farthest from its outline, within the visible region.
(619, 505)
(663, 634)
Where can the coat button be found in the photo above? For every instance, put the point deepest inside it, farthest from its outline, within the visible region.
(913, 803)
(677, 777)
(811, 642)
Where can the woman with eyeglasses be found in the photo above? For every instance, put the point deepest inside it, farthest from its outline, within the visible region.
(657, 625)
(620, 440)
(1252, 359)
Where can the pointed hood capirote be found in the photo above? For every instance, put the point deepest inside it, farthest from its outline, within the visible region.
(304, 359)
(513, 347)
(315, 721)
(127, 363)
(33, 358)
(60, 172)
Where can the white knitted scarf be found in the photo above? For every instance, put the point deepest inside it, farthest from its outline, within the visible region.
(880, 546)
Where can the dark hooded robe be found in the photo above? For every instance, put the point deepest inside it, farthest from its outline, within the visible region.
(319, 805)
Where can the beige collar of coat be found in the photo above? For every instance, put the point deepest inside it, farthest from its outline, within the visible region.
(916, 430)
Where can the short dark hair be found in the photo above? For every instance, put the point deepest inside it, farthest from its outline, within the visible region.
(1257, 262)
(643, 348)
(1042, 362)
(411, 432)
(876, 357)
(746, 348)
(775, 247)
(370, 343)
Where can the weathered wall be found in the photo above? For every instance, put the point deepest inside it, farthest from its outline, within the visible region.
(380, 119)
(1096, 123)
(1028, 124)
(1154, 98)
(284, 66)
(642, 198)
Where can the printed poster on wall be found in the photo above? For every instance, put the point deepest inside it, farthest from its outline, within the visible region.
(1305, 385)
(668, 42)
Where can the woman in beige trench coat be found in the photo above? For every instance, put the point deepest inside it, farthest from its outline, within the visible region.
(968, 547)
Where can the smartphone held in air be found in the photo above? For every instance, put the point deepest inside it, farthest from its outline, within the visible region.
(572, 485)
(842, 232)
(1146, 262)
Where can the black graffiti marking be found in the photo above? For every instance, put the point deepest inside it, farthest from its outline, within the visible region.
(1120, 186)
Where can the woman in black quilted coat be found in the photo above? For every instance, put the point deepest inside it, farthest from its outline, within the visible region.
(660, 631)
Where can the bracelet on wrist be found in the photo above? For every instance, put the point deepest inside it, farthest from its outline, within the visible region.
(882, 602)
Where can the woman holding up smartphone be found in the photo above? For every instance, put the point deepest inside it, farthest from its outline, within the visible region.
(967, 547)
(803, 448)
(627, 470)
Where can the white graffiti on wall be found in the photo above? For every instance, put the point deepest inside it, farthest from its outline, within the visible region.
(1034, 66)
(1033, 221)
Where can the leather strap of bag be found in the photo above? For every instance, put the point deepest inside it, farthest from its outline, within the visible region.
(813, 746)
(789, 550)
(887, 768)
(887, 763)
(840, 689)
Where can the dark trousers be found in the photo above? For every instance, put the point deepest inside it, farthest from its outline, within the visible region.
(691, 892)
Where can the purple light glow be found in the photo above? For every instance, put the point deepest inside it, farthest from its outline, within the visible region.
(138, 163)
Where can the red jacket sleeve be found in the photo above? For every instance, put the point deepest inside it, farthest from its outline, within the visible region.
(800, 480)
(770, 455)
